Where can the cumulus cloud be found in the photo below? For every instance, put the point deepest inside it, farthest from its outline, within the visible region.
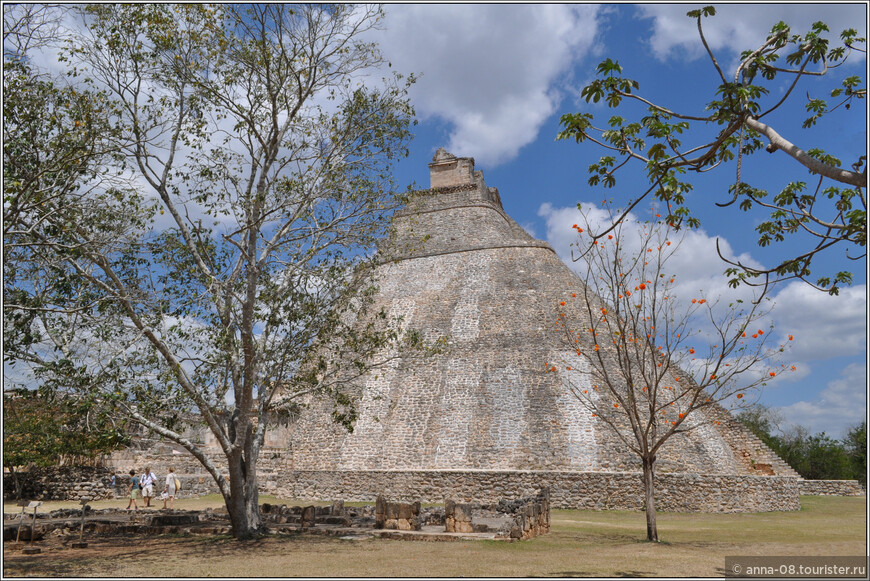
(696, 264)
(493, 73)
(841, 405)
(823, 326)
(737, 27)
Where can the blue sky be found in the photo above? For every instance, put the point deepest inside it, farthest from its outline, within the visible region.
(494, 80)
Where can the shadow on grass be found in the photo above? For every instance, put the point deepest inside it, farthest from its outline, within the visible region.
(572, 574)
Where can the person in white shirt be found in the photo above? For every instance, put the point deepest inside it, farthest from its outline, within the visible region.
(147, 480)
(169, 489)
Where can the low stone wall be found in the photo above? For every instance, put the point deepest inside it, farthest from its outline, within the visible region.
(532, 516)
(831, 488)
(78, 483)
(520, 519)
(588, 490)
(61, 483)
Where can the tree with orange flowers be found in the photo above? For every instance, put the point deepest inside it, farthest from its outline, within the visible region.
(656, 360)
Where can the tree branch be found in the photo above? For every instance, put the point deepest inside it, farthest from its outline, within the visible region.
(835, 173)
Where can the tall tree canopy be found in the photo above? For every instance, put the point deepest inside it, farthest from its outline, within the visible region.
(223, 273)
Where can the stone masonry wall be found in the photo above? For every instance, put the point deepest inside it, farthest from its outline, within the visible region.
(486, 403)
(831, 488)
(675, 492)
(93, 484)
(585, 490)
(61, 483)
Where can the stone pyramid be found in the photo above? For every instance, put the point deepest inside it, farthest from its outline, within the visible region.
(482, 421)
(460, 267)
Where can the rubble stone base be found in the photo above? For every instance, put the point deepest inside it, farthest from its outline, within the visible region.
(677, 492)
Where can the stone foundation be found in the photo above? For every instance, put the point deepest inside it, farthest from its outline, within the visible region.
(831, 488)
(584, 490)
(676, 492)
(520, 519)
(63, 483)
(85, 483)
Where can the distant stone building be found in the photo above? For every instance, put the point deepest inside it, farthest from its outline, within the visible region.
(482, 420)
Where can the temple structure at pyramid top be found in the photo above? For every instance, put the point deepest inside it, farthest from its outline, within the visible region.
(447, 170)
(459, 213)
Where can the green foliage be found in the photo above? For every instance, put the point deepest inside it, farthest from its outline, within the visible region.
(40, 430)
(856, 447)
(833, 215)
(813, 456)
(235, 279)
(816, 456)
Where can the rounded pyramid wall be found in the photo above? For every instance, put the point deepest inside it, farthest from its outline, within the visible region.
(459, 267)
(482, 421)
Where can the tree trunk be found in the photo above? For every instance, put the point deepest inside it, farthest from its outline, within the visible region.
(649, 490)
(243, 502)
(17, 482)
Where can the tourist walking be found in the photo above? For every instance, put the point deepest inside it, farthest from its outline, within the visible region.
(170, 489)
(147, 481)
(133, 491)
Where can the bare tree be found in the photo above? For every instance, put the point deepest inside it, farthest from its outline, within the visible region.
(656, 360)
(29, 27)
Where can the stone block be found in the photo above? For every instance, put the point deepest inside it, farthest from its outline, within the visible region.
(408, 511)
(161, 520)
(391, 510)
(308, 517)
(337, 508)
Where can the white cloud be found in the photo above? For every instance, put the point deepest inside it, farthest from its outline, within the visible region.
(493, 72)
(823, 326)
(738, 27)
(696, 264)
(839, 406)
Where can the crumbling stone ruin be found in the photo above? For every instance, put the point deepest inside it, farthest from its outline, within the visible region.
(481, 421)
(401, 516)
(518, 519)
(514, 520)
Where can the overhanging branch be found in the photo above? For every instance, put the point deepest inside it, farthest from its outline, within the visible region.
(835, 173)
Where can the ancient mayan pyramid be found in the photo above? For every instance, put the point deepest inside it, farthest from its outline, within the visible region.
(482, 421)
(466, 270)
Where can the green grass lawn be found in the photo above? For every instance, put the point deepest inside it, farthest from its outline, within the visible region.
(581, 543)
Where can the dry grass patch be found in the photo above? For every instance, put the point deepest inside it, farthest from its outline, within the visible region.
(581, 543)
